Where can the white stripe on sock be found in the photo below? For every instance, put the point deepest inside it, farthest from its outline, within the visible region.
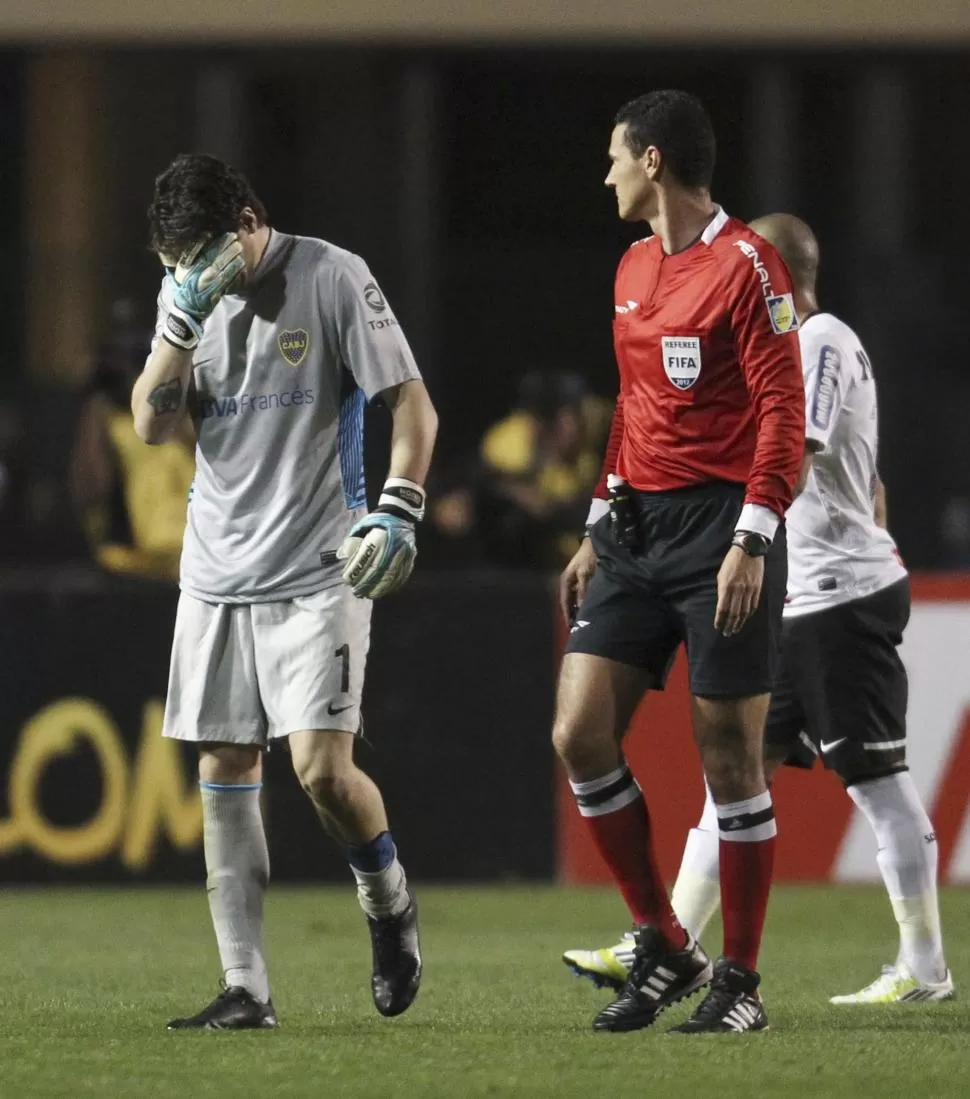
(731, 811)
(758, 834)
(594, 785)
(624, 797)
(757, 804)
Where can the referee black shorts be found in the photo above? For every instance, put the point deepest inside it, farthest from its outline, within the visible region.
(641, 604)
(842, 689)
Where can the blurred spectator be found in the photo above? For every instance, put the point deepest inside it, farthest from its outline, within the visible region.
(14, 489)
(36, 524)
(524, 500)
(130, 498)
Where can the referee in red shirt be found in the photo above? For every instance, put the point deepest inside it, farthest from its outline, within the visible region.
(686, 544)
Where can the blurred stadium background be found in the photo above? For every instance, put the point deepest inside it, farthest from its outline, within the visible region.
(460, 148)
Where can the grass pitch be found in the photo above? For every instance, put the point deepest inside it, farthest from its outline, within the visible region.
(88, 979)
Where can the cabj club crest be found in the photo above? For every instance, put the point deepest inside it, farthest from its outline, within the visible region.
(294, 343)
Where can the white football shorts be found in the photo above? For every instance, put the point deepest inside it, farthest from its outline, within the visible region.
(245, 673)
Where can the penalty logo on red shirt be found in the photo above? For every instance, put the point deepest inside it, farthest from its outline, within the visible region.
(682, 359)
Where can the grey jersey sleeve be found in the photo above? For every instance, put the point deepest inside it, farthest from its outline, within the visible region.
(371, 342)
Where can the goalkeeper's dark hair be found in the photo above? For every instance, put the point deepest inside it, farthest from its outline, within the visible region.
(196, 198)
(679, 126)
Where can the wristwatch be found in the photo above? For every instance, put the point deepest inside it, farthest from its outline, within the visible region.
(754, 545)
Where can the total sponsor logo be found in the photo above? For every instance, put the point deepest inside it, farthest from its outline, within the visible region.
(781, 307)
(374, 298)
(378, 303)
(223, 407)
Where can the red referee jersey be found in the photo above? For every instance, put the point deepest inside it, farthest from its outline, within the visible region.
(710, 373)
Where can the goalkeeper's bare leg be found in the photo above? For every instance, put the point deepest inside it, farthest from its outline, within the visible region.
(351, 809)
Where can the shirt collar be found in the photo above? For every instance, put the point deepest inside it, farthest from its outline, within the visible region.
(276, 249)
(721, 218)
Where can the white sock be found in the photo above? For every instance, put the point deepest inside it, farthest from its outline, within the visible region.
(907, 858)
(697, 891)
(237, 865)
(382, 887)
(383, 893)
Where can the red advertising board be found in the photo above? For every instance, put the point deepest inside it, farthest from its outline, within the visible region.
(820, 835)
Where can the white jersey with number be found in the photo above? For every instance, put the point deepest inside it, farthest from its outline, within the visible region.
(281, 376)
(836, 551)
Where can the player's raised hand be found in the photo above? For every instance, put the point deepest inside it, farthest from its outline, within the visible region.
(738, 590)
(380, 549)
(195, 285)
(575, 579)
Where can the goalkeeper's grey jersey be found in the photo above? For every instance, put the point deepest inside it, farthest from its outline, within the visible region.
(282, 374)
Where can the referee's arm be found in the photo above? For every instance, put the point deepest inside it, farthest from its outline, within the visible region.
(576, 576)
(771, 363)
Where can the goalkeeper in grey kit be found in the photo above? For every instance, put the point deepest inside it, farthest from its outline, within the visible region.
(274, 343)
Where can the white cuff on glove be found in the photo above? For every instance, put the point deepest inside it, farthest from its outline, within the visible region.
(182, 330)
(403, 497)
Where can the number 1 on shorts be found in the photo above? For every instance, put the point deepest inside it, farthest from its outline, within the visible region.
(344, 653)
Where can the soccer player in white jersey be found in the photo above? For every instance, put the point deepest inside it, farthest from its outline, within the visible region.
(273, 343)
(842, 692)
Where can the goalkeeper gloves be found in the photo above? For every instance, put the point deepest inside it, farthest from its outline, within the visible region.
(193, 287)
(380, 548)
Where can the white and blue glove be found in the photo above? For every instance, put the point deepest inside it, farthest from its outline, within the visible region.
(194, 285)
(380, 548)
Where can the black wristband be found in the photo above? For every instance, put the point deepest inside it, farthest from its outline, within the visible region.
(179, 333)
(403, 498)
(754, 545)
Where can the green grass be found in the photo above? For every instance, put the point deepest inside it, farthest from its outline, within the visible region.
(88, 978)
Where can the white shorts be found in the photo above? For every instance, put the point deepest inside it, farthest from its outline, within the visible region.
(244, 673)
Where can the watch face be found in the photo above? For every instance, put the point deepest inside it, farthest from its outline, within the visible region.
(754, 545)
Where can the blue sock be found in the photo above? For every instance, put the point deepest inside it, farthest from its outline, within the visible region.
(374, 856)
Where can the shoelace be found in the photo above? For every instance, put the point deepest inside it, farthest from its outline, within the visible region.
(217, 1004)
(717, 1003)
(225, 994)
(643, 962)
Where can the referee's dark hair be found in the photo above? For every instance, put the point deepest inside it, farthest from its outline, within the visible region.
(196, 198)
(678, 125)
